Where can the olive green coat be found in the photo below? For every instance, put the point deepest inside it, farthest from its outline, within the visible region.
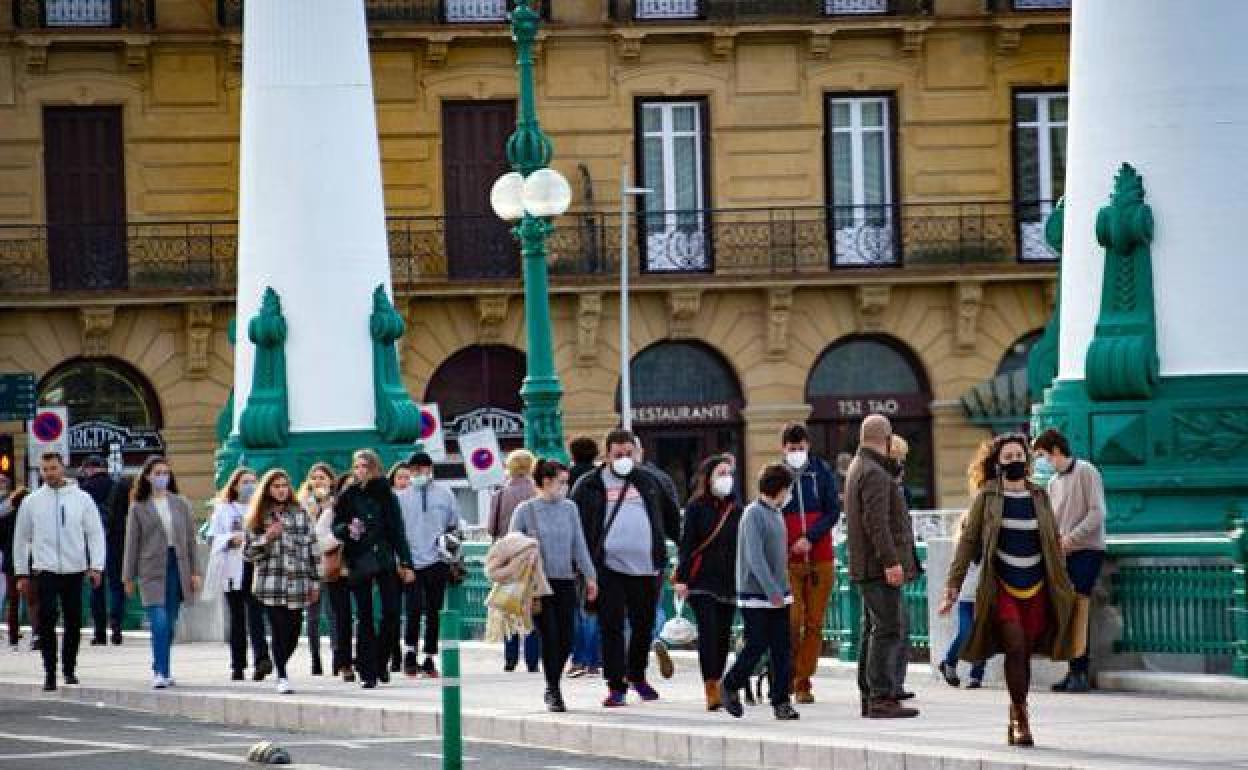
(979, 537)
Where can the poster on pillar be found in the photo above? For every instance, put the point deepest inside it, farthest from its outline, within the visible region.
(483, 461)
(432, 436)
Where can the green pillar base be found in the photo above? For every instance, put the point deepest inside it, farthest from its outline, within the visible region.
(1177, 462)
(304, 449)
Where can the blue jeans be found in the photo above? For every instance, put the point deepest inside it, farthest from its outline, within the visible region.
(587, 644)
(163, 618)
(966, 621)
(532, 651)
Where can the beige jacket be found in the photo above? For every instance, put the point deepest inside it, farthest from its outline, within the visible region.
(1078, 497)
(147, 549)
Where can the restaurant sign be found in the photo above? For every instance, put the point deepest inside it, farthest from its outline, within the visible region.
(690, 414)
(505, 424)
(98, 437)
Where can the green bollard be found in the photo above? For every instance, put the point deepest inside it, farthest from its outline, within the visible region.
(452, 730)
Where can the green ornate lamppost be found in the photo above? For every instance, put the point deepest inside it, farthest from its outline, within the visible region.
(531, 194)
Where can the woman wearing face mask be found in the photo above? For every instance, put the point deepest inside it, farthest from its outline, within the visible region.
(316, 497)
(1025, 602)
(281, 542)
(706, 574)
(246, 615)
(553, 520)
(160, 557)
(337, 588)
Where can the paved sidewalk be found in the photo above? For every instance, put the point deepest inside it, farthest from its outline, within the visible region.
(958, 728)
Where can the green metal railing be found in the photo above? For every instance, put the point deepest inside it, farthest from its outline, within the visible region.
(1184, 595)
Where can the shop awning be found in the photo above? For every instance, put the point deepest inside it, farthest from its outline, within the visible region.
(1001, 404)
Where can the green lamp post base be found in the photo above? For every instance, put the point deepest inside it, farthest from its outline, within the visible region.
(302, 450)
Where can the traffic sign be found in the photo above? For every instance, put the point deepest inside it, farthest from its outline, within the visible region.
(49, 432)
(17, 396)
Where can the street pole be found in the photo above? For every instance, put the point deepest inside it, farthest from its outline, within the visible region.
(626, 358)
(452, 726)
(529, 150)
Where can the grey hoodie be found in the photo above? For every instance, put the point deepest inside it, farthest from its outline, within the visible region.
(762, 556)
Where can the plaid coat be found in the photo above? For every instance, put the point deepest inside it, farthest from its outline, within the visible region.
(286, 568)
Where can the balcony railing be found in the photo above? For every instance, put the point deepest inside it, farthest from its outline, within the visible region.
(1028, 5)
(759, 10)
(230, 12)
(35, 14)
(796, 241)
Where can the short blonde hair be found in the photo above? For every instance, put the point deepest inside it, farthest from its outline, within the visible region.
(520, 462)
(898, 447)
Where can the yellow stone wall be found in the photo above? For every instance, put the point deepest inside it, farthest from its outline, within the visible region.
(953, 74)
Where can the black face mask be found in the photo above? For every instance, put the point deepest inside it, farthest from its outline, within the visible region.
(1015, 471)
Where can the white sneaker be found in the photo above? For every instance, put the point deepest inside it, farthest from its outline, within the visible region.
(170, 682)
(159, 682)
(284, 688)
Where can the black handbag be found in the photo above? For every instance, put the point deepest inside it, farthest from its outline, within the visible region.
(366, 567)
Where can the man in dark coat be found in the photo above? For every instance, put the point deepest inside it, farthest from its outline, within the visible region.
(93, 479)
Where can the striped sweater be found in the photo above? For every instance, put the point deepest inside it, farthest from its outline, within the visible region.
(1019, 561)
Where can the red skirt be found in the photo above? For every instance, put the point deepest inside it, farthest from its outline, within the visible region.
(1032, 614)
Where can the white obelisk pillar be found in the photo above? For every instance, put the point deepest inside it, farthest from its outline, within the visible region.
(311, 211)
(1163, 86)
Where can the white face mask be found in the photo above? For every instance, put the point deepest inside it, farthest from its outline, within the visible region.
(420, 480)
(722, 486)
(622, 466)
(796, 459)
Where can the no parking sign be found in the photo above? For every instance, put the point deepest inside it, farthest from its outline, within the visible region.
(49, 432)
(431, 436)
(483, 460)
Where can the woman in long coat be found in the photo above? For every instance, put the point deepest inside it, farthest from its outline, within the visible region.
(1025, 602)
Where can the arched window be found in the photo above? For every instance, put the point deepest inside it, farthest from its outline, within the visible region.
(686, 403)
(861, 375)
(1016, 355)
(110, 403)
(480, 386)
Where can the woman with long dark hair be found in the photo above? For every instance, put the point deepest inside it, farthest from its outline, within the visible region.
(369, 524)
(281, 542)
(1025, 601)
(316, 495)
(228, 539)
(706, 573)
(554, 521)
(160, 557)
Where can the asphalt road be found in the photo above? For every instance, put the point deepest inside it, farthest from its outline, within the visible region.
(53, 735)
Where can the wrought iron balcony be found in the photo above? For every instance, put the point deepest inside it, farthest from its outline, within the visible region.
(230, 12)
(759, 10)
(1028, 5)
(805, 242)
(36, 14)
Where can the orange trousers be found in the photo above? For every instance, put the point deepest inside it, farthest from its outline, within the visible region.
(812, 584)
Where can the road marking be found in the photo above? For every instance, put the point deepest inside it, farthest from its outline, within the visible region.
(52, 718)
(143, 728)
(232, 759)
(431, 755)
(237, 735)
(72, 742)
(59, 754)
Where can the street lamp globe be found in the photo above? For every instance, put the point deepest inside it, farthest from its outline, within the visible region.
(507, 196)
(547, 193)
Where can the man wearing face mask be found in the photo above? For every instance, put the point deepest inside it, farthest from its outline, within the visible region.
(809, 518)
(1078, 496)
(58, 540)
(429, 511)
(628, 519)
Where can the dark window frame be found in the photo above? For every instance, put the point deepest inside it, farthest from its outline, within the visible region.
(1015, 187)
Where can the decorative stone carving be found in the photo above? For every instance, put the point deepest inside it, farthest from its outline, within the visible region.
(436, 51)
(491, 312)
(97, 328)
(398, 417)
(265, 422)
(135, 53)
(820, 45)
(628, 47)
(1008, 40)
(722, 45)
(198, 338)
(912, 39)
(36, 56)
(1201, 436)
(779, 305)
(968, 301)
(682, 311)
(873, 301)
(588, 319)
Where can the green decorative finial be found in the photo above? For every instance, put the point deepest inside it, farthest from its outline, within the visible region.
(266, 422)
(1042, 362)
(1122, 362)
(398, 418)
(529, 148)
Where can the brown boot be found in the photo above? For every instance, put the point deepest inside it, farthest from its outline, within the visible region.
(713, 700)
(1019, 733)
(887, 708)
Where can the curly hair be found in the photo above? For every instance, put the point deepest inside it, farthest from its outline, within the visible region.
(983, 467)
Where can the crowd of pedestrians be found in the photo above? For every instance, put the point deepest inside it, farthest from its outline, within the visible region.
(369, 555)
